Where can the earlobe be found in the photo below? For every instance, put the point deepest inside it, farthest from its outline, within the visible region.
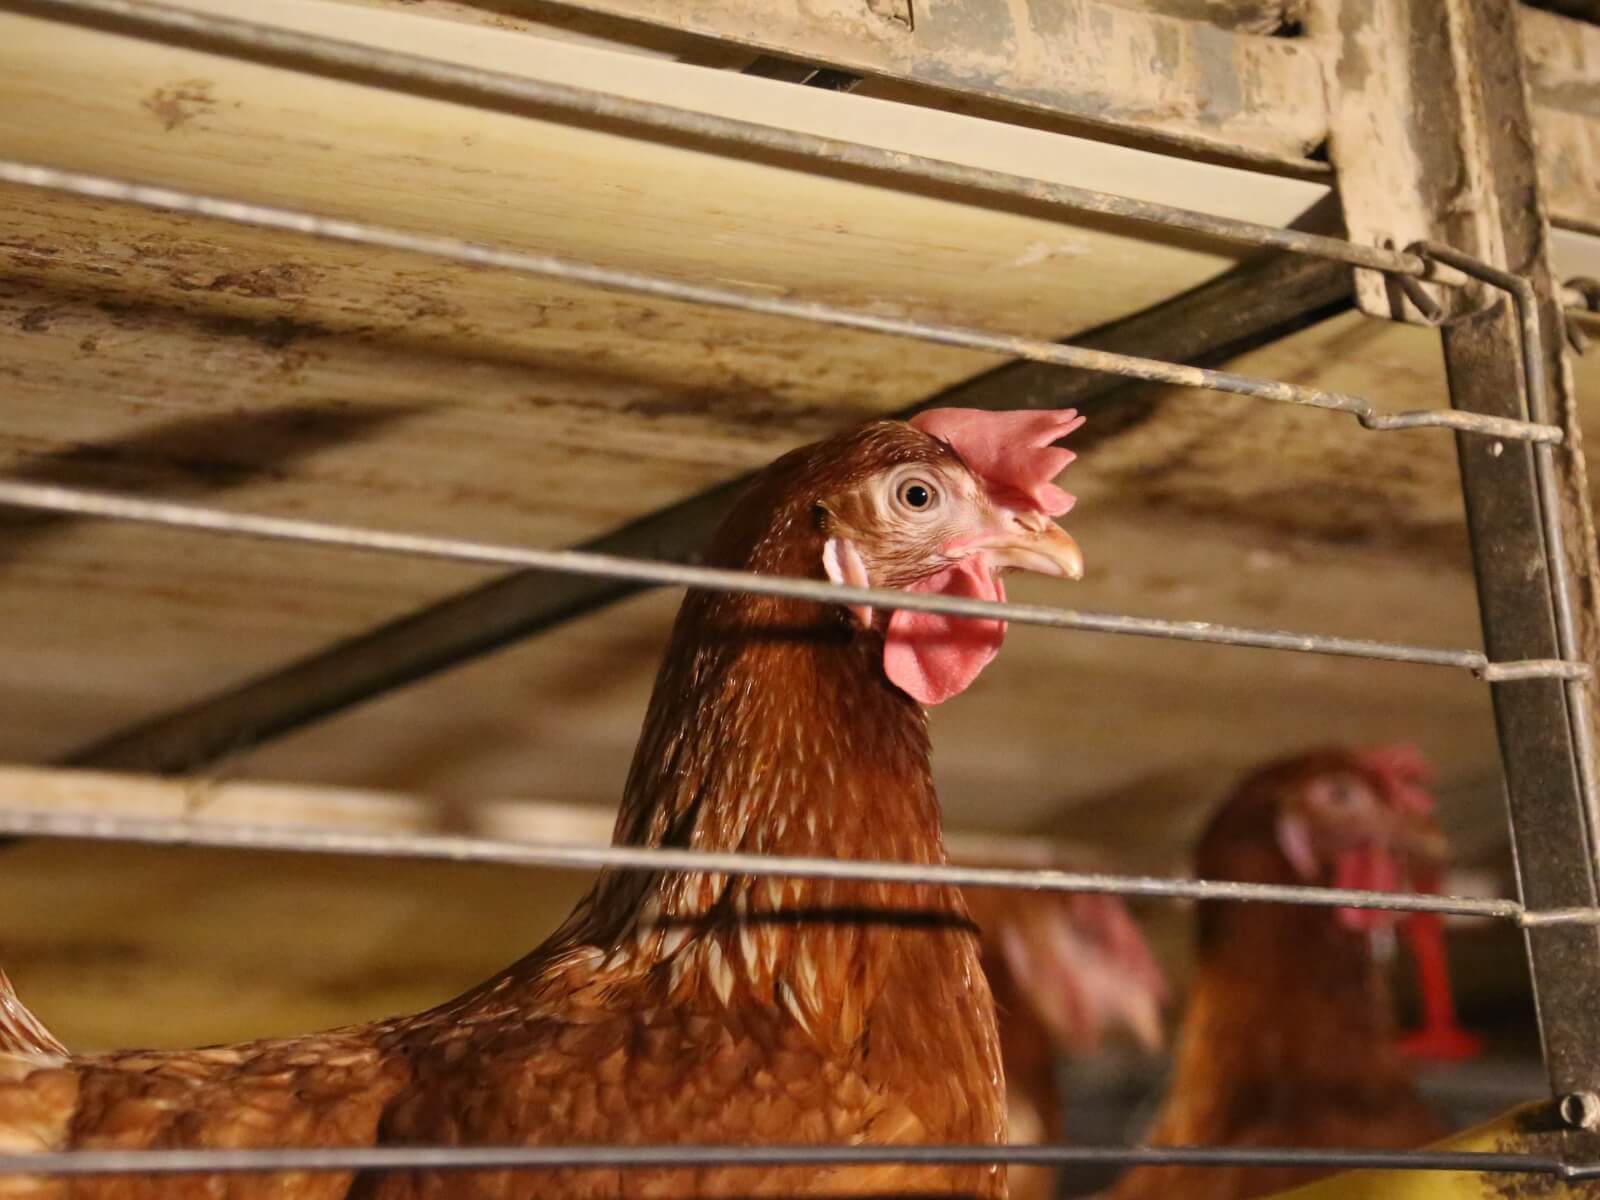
(842, 562)
(1294, 839)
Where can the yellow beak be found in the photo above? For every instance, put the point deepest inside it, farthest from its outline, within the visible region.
(1036, 543)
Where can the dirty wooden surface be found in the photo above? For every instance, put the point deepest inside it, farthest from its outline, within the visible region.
(1104, 64)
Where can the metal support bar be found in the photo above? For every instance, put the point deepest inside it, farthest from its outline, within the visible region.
(1503, 360)
(1550, 827)
(1249, 306)
(78, 1163)
(191, 831)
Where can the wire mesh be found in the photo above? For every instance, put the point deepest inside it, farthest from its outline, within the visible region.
(419, 75)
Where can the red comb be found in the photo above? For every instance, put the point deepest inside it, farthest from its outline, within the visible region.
(1404, 771)
(1011, 450)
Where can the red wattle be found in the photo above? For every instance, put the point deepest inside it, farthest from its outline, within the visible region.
(932, 657)
(1367, 869)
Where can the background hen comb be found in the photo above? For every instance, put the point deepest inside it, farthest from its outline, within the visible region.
(1404, 772)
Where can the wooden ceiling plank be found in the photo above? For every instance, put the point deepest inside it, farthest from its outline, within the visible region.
(1107, 65)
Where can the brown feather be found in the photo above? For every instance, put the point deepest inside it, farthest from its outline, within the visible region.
(20, 1031)
(671, 1007)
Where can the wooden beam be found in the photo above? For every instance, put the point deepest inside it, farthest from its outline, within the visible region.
(1240, 310)
(1563, 72)
(1107, 65)
(301, 809)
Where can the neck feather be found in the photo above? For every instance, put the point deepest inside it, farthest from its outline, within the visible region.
(772, 730)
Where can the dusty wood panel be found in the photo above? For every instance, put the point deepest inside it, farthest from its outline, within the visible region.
(1389, 154)
(545, 20)
(1102, 63)
(288, 806)
(1563, 67)
(549, 186)
(1246, 16)
(1393, 153)
(126, 381)
(1560, 51)
(550, 19)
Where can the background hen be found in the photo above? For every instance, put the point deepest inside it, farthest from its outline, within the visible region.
(1068, 972)
(1290, 1037)
(677, 1007)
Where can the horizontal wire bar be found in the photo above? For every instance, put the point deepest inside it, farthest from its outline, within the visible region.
(467, 1158)
(83, 502)
(389, 68)
(548, 266)
(1560, 916)
(185, 831)
(1533, 668)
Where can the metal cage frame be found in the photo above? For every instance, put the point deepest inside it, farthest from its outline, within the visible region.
(1535, 663)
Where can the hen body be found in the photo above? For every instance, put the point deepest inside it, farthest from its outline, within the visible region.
(1067, 971)
(670, 1007)
(1290, 1035)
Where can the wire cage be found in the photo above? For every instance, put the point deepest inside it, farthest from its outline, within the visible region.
(1505, 342)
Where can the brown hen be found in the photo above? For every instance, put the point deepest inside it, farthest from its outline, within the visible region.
(1068, 971)
(1290, 1035)
(675, 1006)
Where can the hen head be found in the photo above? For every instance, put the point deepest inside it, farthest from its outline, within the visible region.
(1333, 818)
(1080, 963)
(945, 503)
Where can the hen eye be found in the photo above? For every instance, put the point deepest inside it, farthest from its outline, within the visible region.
(1343, 793)
(916, 495)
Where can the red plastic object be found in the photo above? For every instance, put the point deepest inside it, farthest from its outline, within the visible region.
(1441, 1037)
